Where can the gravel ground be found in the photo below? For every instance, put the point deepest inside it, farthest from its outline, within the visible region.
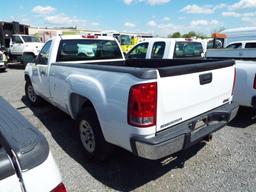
(227, 163)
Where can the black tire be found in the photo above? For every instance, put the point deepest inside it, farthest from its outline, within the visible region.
(3, 70)
(32, 97)
(100, 149)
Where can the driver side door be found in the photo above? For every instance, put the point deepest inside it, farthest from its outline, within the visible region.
(40, 79)
(16, 45)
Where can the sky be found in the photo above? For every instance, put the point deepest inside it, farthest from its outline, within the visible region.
(159, 17)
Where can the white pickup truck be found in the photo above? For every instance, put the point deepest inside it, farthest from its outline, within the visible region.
(245, 86)
(24, 47)
(167, 48)
(26, 163)
(150, 107)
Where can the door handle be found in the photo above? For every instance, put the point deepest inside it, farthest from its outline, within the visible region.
(205, 78)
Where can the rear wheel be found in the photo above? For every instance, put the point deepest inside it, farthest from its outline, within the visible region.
(33, 98)
(91, 137)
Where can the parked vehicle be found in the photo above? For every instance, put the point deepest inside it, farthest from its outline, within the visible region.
(150, 107)
(239, 34)
(2, 64)
(245, 86)
(26, 163)
(167, 48)
(7, 29)
(24, 47)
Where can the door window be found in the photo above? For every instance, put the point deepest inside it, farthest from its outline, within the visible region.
(250, 45)
(234, 46)
(44, 54)
(16, 39)
(138, 52)
(158, 50)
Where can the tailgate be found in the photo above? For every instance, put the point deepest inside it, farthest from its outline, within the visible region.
(190, 90)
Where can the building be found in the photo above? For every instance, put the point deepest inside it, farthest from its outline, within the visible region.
(7, 29)
(45, 33)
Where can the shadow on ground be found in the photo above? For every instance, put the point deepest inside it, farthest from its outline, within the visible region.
(122, 171)
(15, 66)
(245, 117)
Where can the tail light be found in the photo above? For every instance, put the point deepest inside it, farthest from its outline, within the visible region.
(59, 188)
(142, 105)
(254, 82)
(234, 83)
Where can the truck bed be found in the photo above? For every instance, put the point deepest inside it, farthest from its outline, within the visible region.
(186, 87)
(142, 68)
(243, 54)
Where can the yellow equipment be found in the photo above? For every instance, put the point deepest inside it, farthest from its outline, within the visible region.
(126, 41)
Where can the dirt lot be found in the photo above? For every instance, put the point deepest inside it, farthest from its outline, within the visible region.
(227, 163)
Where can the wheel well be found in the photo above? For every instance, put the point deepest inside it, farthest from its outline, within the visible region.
(78, 102)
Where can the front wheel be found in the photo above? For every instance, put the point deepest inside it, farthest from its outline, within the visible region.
(91, 137)
(33, 98)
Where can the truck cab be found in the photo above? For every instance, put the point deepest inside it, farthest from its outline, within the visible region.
(166, 48)
(24, 47)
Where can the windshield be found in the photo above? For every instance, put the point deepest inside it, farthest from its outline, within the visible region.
(188, 49)
(125, 39)
(30, 39)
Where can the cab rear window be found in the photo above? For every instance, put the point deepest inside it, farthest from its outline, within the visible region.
(188, 49)
(88, 49)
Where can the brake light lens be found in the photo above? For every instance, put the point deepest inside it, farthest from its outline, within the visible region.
(142, 105)
(234, 83)
(59, 188)
(254, 82)
(90, 36)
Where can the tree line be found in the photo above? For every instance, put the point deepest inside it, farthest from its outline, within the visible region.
(188, 35)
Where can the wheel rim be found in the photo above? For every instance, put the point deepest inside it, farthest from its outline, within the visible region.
(87, 136)
(31, 94)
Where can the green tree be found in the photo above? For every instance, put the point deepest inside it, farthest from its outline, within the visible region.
(175, 35)
(189, 34)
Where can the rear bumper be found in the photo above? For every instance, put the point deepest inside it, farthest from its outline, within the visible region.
(183, 135)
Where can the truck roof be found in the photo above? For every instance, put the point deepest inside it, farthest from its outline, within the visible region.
(171, 39)
(67, 37)
(244, 41)
(241, 29)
